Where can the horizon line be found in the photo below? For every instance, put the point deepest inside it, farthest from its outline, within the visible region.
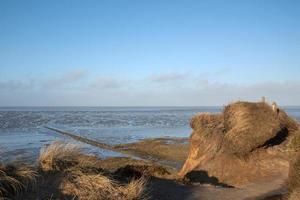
(24, 106)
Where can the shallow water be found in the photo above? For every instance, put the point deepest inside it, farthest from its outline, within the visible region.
(22, 131)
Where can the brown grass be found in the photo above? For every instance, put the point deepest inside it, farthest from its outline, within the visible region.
(98, 187)
(245, 126)
(295, 142)
(295, 195)
(248, 141)
(290, 123)
(248, 126)
(59, 156)
(294, 179)
(167, 149)
(206, 124)
(294, 174)
(206, 121)
(16, 178)
(83, 178)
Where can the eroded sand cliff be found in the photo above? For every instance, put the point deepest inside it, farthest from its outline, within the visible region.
(246, 143)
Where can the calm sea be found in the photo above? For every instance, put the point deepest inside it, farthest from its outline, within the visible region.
(22, 131)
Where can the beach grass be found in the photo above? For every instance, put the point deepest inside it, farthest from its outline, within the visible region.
(83, 177)
(16, 178)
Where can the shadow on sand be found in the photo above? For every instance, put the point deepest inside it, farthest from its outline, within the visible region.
(202, 177)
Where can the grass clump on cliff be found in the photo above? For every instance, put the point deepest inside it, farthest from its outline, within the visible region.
(294, 144)
(251, 125)
(205, 122)
(250, 137)
(245, 126)
(294, 179)
(294, 174)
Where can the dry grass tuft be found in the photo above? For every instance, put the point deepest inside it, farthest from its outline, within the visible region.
(83, 178)
(8, 185)
(59, 156)
(245, 126)
(16, 178)
(206, 120)
(295, 142)
(252, 138)
(295, 195)
(294, 174)
(205, 124)
(98, 187)
(248, 126)
(291, 124)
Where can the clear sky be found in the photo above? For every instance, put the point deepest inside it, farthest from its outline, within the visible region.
(148, 53)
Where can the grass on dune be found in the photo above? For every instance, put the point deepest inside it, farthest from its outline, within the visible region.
(295, 195)
(294, 178)
(97, 187)
(83, 177)
(59, 156)
(70, 173)
(294, 174)
(16, 178)
(294, 144)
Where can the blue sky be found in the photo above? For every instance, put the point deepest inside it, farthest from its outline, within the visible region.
(148, 53)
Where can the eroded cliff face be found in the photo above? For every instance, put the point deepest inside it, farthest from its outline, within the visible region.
(246, 143)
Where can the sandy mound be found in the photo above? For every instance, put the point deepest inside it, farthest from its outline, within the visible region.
(247, 142)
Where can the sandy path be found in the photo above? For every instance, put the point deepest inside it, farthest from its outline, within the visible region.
(168, 190)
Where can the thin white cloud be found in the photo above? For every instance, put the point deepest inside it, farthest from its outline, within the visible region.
(65, 79)
(169, 77)
(222, 71)
(171, 89)
(109, 83)
(216, 73)
(12, 85)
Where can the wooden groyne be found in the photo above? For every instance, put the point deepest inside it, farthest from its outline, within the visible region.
(85, 140)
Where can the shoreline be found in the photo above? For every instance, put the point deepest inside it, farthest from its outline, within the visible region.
(163, 181)
(162, 157)
(168, 151)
